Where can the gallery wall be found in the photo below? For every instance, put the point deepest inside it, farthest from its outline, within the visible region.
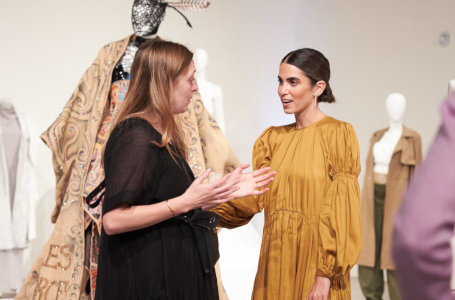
(380, 47)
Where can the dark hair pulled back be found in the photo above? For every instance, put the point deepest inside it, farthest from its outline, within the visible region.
(315, 66)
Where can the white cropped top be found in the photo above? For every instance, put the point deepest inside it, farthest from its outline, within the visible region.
(383, 149)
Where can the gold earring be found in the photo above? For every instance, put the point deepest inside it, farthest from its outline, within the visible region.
(315, 100)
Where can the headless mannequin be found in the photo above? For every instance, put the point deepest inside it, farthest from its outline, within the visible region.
(211, 94)
(10, 259)
(383, 149)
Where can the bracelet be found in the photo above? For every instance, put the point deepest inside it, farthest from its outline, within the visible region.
(170, 208)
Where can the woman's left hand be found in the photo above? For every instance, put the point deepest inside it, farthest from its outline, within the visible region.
(320, 289)
(251, 182)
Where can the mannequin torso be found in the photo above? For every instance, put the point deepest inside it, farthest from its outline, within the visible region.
(211, 94)
(383, 149)
(123, 68)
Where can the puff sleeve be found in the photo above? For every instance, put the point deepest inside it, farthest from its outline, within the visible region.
(239, 212)
(339, 229)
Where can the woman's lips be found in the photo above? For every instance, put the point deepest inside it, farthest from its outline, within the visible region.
(286, 102)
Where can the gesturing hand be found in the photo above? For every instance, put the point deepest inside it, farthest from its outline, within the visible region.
(251, 182)
(320, 289)
(201, 194)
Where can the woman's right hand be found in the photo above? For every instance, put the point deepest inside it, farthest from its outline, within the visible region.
(320, 289)
(200, 194)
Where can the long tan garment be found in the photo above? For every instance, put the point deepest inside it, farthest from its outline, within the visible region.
(58, 272)
(407, 155)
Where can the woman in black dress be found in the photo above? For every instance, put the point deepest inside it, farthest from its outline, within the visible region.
(158, 239)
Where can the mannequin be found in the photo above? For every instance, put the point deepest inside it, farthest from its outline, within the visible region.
(146, 17)
(383, 149)
(67, 265)
(18, 194)
(211, 94)
(11, 259)
(394, 153)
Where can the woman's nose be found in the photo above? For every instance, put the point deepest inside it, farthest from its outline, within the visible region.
(282, 90)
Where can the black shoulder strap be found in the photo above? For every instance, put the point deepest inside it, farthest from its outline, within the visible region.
(95, 192)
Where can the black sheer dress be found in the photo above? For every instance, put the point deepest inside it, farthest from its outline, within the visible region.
(170, 260)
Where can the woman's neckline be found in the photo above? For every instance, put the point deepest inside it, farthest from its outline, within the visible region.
(144, 120)
(294, 125)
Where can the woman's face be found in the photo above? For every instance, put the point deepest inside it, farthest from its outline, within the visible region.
(295, 89)
(184, 87)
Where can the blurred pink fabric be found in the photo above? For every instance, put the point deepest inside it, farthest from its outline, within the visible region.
(425, 223)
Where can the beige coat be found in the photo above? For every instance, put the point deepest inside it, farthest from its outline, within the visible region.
(58, 272)
(406, 156)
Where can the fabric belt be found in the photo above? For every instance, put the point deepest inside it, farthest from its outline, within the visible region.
(204, 225)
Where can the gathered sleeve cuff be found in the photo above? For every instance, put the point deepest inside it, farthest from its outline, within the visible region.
(340, 238)
(239, 212)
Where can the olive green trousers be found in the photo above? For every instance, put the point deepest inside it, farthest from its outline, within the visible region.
(371, 279)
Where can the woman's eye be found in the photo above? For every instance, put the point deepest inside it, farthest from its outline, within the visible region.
(293, 82)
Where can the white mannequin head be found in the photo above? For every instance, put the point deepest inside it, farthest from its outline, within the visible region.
(395, 105)
(200, 58)
(451, 86)
(6, 104)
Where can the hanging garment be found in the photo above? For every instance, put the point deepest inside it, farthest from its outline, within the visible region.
(18, 222)
(18, 193)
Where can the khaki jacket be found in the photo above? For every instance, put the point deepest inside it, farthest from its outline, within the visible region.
(58, 272)
(406, 156)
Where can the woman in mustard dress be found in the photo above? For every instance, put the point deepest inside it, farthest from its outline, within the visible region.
(312, 235)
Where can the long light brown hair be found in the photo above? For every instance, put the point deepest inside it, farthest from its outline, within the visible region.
(155, 68)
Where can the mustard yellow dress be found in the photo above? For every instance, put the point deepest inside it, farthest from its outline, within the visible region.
(312, 211)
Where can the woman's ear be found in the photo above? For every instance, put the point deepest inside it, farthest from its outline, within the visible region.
(319, 88)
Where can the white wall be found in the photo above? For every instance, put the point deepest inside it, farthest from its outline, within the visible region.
(375, 48)
(379, 47)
